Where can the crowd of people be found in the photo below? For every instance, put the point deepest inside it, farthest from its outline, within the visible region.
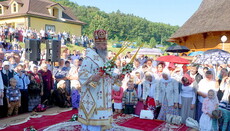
(193, 92)
(20, 34)
(166, 88)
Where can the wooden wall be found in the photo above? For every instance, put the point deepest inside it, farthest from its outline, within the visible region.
(205, 41)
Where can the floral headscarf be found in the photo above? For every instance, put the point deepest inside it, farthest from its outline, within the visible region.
(189, 78)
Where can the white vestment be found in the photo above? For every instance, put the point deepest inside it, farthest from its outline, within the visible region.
(96, 104)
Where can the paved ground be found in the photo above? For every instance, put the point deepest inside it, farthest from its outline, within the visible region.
(23, 117)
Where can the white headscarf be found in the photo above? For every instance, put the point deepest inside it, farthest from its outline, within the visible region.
(60, 83)
(4, 64)
(148, 74)
(32, 67)
(151, 91)
(43, 65)
(169, 78)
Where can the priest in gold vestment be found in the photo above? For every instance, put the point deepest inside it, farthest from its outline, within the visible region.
(95, 111)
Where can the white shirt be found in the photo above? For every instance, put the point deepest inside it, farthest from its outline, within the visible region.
(42, 33)
(188, 92)
(205, 86)
(22, 81)
(74, 73)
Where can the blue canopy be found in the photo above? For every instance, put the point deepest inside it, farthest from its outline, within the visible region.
(195, 53)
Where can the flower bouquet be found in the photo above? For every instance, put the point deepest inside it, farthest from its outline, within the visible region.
(31, 128)
(128, 68)
(108, 68)
(74, 118)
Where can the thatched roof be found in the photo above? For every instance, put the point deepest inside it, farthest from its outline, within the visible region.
(212, 15)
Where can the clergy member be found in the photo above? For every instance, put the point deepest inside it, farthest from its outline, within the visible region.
(95, 111)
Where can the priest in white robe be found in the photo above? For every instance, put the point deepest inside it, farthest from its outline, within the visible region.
(95, 111)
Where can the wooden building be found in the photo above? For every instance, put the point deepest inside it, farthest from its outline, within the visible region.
(206, 26)
(39, 14)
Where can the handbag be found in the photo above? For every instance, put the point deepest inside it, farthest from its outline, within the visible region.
(192, 123)
(173, 119)
(146, 114)
(41, 107)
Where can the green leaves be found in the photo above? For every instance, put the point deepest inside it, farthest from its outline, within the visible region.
(121, 26)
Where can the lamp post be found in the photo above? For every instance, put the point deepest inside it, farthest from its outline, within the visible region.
(223, 39)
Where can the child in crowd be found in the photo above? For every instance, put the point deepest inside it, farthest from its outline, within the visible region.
(117, 94)
(13, 96)
(137, 79)
(129, 99)
(209, 105)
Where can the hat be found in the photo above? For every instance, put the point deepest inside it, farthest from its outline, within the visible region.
(5, 63)
(100, 36)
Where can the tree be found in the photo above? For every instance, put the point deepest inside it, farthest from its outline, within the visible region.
(121, 26)
(152, 42)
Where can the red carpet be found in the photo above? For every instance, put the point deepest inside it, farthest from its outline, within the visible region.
(147, 125)
(125, 121)
(43, 122)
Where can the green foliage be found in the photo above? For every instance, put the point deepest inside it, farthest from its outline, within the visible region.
(121, 26)
(152, 43)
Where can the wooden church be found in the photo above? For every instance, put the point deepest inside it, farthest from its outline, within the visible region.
(203, 31)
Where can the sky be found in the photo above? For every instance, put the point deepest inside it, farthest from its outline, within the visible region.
(173, 12)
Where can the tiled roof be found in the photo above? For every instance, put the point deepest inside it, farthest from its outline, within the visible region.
(38, 8)
(4, 3)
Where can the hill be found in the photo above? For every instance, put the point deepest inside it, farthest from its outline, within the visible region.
(121, 26)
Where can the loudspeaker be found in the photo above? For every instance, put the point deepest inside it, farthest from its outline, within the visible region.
(53, 50)
(32, 50)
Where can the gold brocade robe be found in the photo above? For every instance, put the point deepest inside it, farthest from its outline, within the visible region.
(95, 106)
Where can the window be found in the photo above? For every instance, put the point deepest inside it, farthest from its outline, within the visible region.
(55, 12)
(1, 10)
(14, 7)
(50, 28)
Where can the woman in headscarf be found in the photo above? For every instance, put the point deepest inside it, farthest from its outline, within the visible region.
(187, 97)
(222, 81)
(35, 88)
(47, 79)
(60, 96)
(146, 93)
(167, 95)
(225, 88)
